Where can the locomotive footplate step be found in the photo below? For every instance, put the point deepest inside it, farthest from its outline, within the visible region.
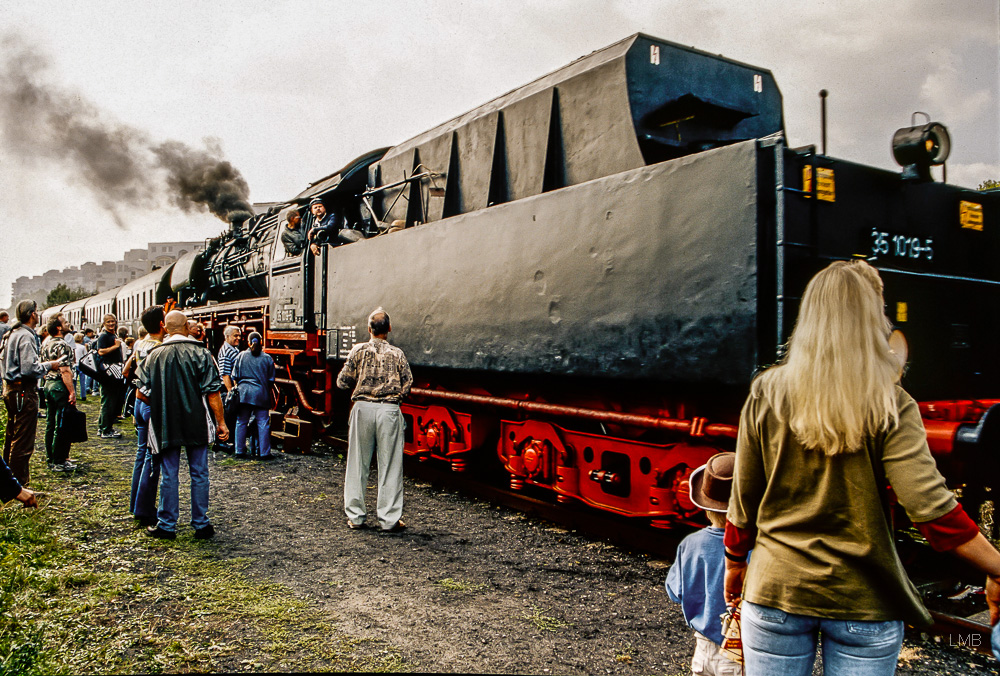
(294, 434)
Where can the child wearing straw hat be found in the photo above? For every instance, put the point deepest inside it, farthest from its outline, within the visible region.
(696, 578)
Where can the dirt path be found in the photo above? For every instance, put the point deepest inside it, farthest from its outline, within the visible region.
(468, 587)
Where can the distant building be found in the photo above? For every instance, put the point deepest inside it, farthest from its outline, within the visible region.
(162, 254)
(100, 277)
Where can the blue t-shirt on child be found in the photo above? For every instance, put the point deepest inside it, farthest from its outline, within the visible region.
(697, 581)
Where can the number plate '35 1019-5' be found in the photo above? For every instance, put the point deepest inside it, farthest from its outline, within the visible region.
(887, 244)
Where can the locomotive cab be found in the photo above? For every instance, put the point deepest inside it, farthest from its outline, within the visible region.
(298, 288)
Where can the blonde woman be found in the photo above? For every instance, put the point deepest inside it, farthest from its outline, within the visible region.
(820, 436)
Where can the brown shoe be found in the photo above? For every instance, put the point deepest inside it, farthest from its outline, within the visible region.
(355, 526)
(397, 528)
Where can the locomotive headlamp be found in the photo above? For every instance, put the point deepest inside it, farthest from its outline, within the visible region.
(920, 147)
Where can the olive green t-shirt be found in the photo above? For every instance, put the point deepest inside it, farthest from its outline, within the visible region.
(824, 546)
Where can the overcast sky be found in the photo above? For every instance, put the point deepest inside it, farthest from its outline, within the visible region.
(291, 91)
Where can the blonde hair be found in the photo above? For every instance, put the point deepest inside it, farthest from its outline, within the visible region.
(837, 383)
(717, 519)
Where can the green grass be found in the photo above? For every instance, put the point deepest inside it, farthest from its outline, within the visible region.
(541, 621)
(81, 591)
(459, 585)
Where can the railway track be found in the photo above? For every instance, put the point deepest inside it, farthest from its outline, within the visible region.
(961, 632)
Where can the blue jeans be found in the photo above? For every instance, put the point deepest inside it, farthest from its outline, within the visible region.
(776, 642)
(263, 429)
(170, 461)
(146, 470)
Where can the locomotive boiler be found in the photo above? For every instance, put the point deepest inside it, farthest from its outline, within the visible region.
(586, 272)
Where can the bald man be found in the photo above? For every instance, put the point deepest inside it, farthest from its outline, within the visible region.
(180, 381)
(176, 323)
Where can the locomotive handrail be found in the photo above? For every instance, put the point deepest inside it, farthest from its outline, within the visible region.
(301, 393)
(633, 419)
(414, 177)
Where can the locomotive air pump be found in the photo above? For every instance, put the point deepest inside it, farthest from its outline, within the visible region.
(919, 147)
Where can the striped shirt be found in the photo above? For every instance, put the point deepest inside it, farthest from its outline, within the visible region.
(227, 359)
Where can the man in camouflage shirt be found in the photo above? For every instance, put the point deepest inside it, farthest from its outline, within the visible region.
(59, 393)
(381, 377)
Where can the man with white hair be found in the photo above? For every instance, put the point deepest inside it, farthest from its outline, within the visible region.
(228, 353)
(381, 378)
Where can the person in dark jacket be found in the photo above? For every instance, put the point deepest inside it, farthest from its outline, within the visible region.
(323, 222)
(146, 468)
(109, 347)
(10, 489)
(254, 376)
(293, 237)
(180, 382)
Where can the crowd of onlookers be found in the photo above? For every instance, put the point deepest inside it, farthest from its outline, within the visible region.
(166, 379)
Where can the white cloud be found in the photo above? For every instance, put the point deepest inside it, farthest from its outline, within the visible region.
(946, 90)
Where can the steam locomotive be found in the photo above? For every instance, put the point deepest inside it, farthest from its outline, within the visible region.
(586, 271)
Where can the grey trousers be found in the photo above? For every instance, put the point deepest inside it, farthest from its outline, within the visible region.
(375, 426)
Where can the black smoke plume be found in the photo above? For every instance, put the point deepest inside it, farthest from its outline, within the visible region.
(200, 177)
(119, 164)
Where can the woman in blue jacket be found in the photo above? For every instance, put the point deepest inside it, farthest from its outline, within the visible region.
(254, 376)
